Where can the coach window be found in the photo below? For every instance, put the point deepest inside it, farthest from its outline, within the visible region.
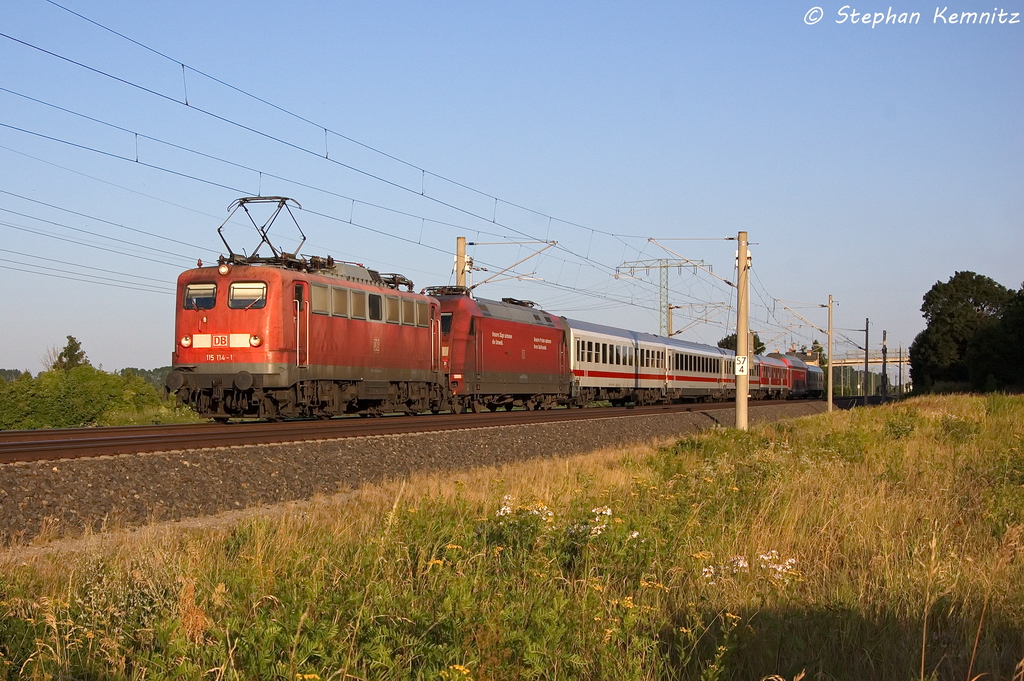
(339, 302)
(393, 309)
(446, 322)
(408, 312)
(376, 305)
(320, 297)
(590, 351)
(604, 353)
(200, 296)
(245, 295)
(422, 314)
(359, 305)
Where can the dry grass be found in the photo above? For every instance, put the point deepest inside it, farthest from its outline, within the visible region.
(882, 543)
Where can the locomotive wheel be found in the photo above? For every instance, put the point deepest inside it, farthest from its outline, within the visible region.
(509, 406)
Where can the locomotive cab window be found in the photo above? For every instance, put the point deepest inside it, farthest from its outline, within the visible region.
(200, 296)
(446, 322)
(246, 295)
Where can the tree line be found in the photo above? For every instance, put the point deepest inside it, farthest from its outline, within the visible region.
(70, 392)
(974, 338)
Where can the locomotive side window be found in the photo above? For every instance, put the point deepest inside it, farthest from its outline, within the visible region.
(320, 297)
(394, 309)
(359, 305)
(422, 312)
(245, 295)
(200, 297)
(376, 307)
(446, 322)
(409, 312)
(298, 296)
(339, 302)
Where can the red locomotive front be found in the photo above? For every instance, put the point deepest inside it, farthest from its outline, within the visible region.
(283, 336)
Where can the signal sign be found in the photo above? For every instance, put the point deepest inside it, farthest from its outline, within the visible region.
(741, 366)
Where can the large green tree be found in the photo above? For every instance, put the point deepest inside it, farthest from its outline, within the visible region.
(729, 343)
(955, 312)
(995, 354)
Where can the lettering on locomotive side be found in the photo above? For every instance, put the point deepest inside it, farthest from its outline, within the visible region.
(541, 343)
(499, 337)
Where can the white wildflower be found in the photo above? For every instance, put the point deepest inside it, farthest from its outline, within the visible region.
(506, 505)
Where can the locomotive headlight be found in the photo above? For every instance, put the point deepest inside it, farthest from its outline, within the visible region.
(186, 341)
(223, 269)
(255, 341)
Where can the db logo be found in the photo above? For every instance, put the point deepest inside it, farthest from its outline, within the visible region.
(220, 341)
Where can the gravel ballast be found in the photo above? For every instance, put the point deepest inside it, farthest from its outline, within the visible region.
(64, 497)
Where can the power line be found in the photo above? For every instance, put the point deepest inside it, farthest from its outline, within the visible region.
(72, 264)
(327, 130)
(222, 160)
(22, 228)
(297, 147)
(241, 191)
(70, 276)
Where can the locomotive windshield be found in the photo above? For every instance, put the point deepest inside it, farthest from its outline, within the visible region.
(200, 296)
(247, 295)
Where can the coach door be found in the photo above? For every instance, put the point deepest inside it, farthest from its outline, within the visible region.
(435, 339)
(300, 309)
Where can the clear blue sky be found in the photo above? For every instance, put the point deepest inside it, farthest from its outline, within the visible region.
(867, 162)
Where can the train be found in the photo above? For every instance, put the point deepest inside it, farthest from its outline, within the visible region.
(289, 336)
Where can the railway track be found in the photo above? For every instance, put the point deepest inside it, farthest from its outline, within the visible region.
(52, 444)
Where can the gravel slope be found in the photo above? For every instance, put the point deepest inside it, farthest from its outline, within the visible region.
(68, 495)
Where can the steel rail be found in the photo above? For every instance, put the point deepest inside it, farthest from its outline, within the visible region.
(42, 445)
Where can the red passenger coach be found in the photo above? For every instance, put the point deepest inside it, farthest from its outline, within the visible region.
(283, 336)
(501, 353)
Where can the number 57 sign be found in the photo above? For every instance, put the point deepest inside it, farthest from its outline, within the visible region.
(741, 366)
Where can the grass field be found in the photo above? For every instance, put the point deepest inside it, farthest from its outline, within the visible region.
(883, 543)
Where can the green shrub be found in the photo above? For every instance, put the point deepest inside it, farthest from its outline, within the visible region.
(83, 396)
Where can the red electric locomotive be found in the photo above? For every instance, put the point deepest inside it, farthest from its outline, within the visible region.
(286, 336)
(502, 354)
